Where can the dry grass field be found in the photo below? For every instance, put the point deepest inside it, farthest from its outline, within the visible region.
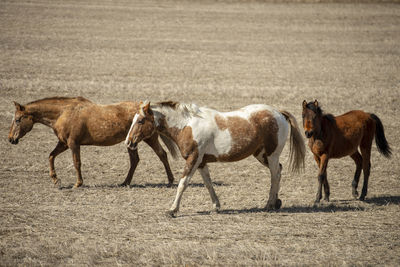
(223, 55)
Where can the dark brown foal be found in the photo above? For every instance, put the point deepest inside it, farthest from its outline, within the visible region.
(337, 137)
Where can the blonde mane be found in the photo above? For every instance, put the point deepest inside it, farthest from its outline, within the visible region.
(186, 110)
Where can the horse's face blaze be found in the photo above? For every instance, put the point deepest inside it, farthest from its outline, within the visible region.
(142, 129)
(21, 125)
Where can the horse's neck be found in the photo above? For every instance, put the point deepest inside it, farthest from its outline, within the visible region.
(172, 124)
(326, 127)
(44, 113)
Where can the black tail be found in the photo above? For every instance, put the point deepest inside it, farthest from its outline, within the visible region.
(380, 139)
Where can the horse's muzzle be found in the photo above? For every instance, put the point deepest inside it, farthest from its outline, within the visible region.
(309, 134)
(131, 145)
(13, 141)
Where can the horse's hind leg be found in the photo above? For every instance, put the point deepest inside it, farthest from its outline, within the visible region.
(134, 160)
(275, 168)
(366, 165)
(358, 160)
(205, 174)
(162, 155)
(60, 147)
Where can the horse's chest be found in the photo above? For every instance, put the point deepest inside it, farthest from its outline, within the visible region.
(317, 147)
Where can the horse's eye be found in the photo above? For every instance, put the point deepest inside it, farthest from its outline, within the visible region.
(141, 121)
(18, 120)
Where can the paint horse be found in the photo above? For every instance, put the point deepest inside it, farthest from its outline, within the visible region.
(78, 121)
(204, 135)
(337, 137)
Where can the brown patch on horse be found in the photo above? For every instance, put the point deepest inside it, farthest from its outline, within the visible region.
(261, 129)
(184, 139)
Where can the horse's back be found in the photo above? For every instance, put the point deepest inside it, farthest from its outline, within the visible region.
(350, 129)
(238, 134)
(94, 124)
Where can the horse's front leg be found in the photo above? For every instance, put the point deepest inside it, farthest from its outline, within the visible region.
(60, 147)
(134, 160)
(192, 162)
(322, 178)
(162, 155)
(76, 157)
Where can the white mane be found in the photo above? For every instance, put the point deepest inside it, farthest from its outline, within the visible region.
(185, 110)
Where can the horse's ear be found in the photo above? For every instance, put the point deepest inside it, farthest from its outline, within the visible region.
(316, 103)
(19, 107)
(304, 104)
(144, 108)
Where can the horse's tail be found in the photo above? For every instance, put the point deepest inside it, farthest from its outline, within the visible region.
(380, 139)
(171, 146)
(297, 147)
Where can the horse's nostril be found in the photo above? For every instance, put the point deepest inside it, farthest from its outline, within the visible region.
(308, 134)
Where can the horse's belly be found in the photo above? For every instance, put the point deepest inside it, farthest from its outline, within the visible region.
(238, 151)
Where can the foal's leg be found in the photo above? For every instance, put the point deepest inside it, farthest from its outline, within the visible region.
(322, 178)
(205, 174)
(60, 147)
(358, 161)
(366, 165)
(192, 162)
(162, 155)
(134, 160)
(76, 157)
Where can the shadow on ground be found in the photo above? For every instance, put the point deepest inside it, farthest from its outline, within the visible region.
(293, 209)
(146, 185)
(384, 200)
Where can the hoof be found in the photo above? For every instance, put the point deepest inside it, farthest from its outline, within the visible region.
(57, 183)
(362, 198)
(278, 204)
(171, 214)
(215, 210)
(123, 185)
(169, 185)
(77, 185)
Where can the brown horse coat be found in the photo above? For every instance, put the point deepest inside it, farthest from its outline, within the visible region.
(78, 121)
(337, 137)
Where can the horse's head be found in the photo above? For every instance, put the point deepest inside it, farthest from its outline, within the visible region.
(143, 126)
(22, 123)
(312, 115)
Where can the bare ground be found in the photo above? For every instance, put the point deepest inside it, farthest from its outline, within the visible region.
(223, 55)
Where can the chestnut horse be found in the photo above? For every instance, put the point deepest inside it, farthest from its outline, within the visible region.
(337, 137)
(78, 121)
(204, 135)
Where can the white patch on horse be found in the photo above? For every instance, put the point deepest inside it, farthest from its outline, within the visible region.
(177, 117)
(133, 124)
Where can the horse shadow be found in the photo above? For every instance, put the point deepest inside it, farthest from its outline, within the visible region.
(293, 209)
(146, 185)
(383, 200)
(334, 206)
